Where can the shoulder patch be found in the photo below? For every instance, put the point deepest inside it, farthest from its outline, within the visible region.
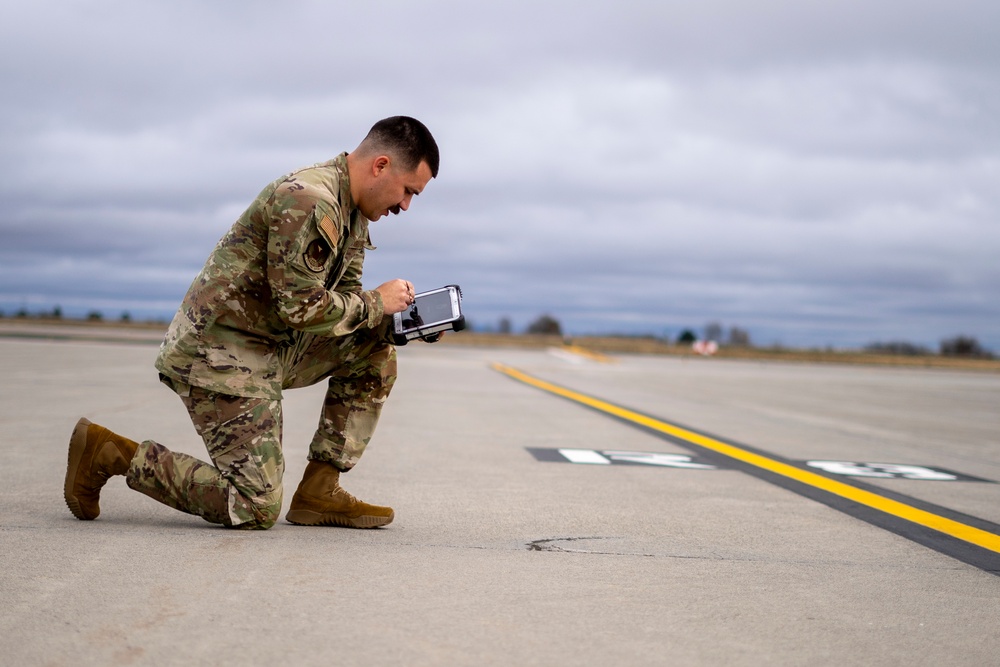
(316, 254)
(327, 227)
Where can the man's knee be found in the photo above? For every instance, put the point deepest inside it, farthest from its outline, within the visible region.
(262, 520)
(259, 513)
(268, 517)
(370, 377)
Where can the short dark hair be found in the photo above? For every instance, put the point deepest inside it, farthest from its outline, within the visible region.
(406, 139)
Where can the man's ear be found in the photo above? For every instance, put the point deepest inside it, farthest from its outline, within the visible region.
(380, 164)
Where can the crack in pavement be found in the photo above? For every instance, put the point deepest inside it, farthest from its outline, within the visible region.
(549, 544)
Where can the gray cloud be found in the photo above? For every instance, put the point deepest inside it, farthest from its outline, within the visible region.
(817, 173)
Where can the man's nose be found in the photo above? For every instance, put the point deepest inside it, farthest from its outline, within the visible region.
(405, 204)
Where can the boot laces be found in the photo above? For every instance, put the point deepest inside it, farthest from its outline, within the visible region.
(344, 493)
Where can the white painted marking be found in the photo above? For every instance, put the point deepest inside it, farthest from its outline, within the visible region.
(846, 468)
(652, 459)
(568, 357)
(912, 472)
(584, 456)
(883, 470)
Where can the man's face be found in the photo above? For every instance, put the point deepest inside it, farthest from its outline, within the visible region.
(392, 188)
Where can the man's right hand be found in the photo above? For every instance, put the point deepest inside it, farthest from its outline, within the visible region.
(397, 295)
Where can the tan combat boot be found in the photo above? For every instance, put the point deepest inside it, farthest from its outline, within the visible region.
(320, 501)
(95, 454)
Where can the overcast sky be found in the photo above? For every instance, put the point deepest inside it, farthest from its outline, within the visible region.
(816, 173)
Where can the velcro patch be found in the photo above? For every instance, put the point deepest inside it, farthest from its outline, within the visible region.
(330, 229)
(316, 254)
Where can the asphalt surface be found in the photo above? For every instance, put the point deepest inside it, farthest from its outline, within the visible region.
(498, 556)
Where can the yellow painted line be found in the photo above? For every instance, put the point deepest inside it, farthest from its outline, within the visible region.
(956, 529)
(589, 354)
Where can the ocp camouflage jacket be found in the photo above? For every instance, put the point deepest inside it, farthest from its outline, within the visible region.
(292, 262)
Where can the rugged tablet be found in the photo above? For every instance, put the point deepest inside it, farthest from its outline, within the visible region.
(432, 312)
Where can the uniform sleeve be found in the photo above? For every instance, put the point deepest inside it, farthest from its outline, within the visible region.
(299, 260)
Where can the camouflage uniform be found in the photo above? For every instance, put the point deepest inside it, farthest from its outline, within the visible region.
(278, 305)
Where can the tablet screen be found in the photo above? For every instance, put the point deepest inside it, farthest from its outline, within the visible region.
(430, 309)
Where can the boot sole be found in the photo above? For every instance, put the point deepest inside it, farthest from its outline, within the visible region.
(77, 445)
(310, 518)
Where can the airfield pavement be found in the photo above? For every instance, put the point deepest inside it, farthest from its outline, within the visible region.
(503, 552)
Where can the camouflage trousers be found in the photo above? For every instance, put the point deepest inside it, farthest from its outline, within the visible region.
(243, 435)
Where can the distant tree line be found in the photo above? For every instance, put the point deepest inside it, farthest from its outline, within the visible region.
(956, 346)
(964, 346)
(545, 324)
(898, 347)
(735, 336)
(56, 313)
